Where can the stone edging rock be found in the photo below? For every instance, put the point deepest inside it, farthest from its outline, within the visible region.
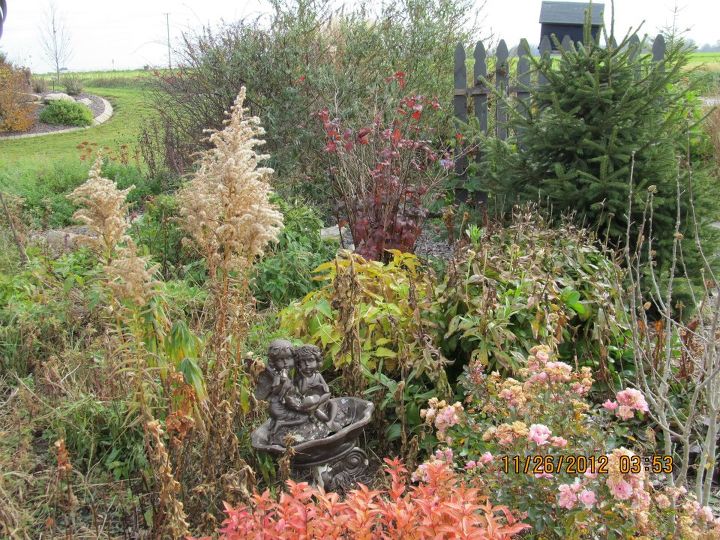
(99, 119)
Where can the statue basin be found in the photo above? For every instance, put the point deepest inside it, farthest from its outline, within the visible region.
(334, 459)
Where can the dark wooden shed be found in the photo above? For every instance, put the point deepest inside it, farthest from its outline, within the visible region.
(568, 18)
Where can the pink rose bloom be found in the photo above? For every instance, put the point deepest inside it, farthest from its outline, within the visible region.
(567, 498)
(589, 474)
(558, 442)
(470, 465)
(705, 513)
(542, 356)
(610, 405)
(621, 490)
(633, 399)
(579, 388)
(624, 412)
(539, 433)
(587, 497)
(486, 458)
(558, 371)
(662, 501)
(541, 377)
(576, 486)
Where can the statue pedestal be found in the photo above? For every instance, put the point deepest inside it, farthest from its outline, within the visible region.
(333, 462)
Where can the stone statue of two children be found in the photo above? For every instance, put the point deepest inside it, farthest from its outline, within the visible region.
(301, 401)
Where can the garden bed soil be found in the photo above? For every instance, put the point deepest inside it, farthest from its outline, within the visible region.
(97, 107)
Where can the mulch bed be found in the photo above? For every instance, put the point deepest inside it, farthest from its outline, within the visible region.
(96, 106)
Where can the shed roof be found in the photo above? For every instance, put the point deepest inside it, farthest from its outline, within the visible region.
(570, 13)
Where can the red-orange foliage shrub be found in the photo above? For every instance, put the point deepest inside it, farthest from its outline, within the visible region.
(442, 507)
(16, 114)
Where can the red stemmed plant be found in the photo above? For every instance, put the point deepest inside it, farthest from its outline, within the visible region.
(382, 172)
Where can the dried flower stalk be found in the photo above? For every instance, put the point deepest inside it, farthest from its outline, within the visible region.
(104, 210)
(225, 207)
(131, 276)
(171, 521)
(227, 214)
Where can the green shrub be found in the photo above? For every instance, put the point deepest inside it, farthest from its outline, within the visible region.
(368, 319)
(527, 282)
(350, 60)
(66, 113)
(285, 273)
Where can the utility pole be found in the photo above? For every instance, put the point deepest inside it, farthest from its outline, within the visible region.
(167, 24)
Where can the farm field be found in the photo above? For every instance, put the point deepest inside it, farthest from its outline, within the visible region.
(708, 61)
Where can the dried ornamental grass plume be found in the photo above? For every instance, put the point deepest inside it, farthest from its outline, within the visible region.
(104, 211)
(225, 207)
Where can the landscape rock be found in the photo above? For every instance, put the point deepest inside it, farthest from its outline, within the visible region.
(59, 241)
(333, 233)
(57, 96)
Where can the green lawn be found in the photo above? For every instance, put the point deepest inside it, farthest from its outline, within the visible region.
(23, 160)
(705, 61)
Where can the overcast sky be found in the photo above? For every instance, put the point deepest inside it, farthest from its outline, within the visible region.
(131, 33)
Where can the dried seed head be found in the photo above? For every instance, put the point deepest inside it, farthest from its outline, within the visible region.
(225, 207)
(104, 211)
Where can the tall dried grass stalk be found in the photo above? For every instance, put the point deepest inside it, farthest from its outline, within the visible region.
(226, 213)
(130, 276)
(104, 209)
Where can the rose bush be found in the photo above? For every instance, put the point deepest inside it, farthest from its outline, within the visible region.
(535, 444)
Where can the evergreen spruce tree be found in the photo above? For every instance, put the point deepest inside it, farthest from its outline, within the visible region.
(604, 111)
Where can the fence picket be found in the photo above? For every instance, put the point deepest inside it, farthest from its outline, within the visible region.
(460, 109)
(480, 101)
(634, 46)
(523, 76)
(658, 48)
(501, 85)
(545, 48)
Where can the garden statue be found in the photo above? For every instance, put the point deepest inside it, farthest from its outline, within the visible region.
(322, 431)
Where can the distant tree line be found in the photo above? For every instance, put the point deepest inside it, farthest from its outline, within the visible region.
(710, 48)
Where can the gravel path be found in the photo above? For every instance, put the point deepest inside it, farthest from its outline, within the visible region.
(430, 244)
